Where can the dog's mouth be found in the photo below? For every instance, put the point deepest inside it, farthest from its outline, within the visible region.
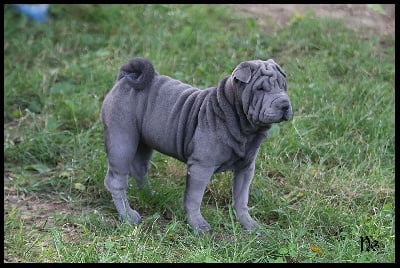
(267, 120)
(270, 116)
(287, 115)
(275, 118)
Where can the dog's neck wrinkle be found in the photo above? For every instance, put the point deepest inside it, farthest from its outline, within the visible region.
(227, 88)
(228, 109)
(227, 104)
(245, 125)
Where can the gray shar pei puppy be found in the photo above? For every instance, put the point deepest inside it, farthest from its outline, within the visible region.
(212, 130)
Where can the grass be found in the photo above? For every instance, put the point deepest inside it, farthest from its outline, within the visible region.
(325, 178)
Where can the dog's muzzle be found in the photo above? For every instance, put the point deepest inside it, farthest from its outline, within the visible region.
(285, 108)
(280, 110)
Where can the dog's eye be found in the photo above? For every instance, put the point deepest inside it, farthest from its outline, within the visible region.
(265, 89)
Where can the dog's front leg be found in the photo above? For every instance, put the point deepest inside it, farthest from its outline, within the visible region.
(196, 182)
(240, 190)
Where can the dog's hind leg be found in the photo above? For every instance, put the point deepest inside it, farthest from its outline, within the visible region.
(140, 164)
(121, 149)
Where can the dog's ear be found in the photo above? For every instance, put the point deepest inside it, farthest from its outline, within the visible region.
(242, 72)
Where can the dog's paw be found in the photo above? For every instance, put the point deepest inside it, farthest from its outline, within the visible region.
(202, 229)
(199, 224)
(248, 223)
(132, 217)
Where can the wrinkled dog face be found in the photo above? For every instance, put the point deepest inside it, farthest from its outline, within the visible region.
(263, 91)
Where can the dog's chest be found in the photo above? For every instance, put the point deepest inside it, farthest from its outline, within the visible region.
(250, 148)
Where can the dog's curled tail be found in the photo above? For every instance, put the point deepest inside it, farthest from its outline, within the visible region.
(138, 73)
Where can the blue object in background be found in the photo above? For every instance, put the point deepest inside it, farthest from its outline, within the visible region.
(37, 12)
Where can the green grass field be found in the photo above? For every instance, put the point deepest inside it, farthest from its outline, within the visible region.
(322, 181)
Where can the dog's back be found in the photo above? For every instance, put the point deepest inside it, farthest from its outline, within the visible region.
(163, 108)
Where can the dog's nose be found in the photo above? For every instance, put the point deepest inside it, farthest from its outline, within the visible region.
(284, 105)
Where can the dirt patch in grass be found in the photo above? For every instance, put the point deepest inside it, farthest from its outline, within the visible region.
(365, 20)
(37, 211)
